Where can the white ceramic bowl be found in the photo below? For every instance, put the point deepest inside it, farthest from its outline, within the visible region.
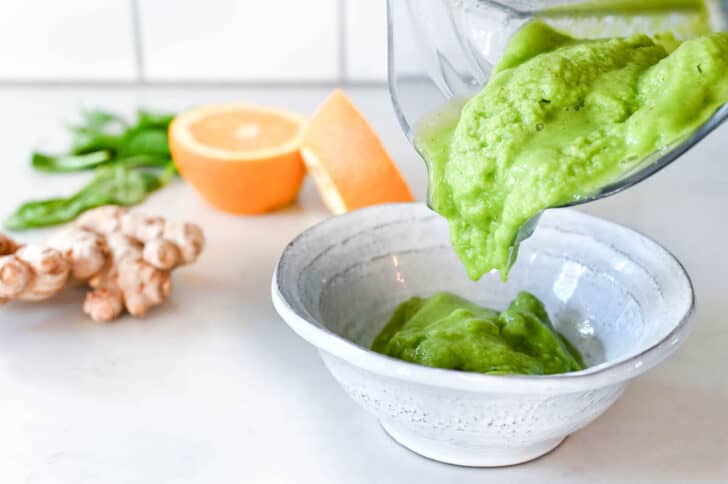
(623, 300)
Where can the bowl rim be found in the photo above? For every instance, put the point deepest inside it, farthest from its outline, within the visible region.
(604, 374)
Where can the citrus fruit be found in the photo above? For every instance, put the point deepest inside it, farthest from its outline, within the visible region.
(347, 160)
(243, 159)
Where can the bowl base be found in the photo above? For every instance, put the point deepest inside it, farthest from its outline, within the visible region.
(470, 456)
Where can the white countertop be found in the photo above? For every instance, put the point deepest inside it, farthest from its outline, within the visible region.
(214, 388)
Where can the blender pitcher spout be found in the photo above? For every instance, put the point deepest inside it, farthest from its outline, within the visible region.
(431, 59)
(436, 62)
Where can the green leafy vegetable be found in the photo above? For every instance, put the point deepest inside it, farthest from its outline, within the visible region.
(145, 141)
(148, 119)
(68, 163)
(98, 119)
(100, 130)
(115, 185)
(130, 162)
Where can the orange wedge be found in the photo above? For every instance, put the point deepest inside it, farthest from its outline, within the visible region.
(242, 159)
(347, 160)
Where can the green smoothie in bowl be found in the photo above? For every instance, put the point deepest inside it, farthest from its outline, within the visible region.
(447, 331)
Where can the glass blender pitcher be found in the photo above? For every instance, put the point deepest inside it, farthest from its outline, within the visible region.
(441, 53)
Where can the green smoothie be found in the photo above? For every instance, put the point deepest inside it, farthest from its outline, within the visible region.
(447, 331)
(560, 118)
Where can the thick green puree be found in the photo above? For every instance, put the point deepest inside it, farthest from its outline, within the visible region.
(559, 119)
(446, 331)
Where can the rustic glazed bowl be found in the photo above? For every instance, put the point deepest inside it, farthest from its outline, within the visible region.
(620, 298)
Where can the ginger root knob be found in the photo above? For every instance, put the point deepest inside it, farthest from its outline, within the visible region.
(87, 251)
(143, 285)
(15, 276)
(162, 254)
(7, 245)
(40, 270)
(104, 304)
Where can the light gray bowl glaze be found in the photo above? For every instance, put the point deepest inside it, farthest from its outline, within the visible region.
(623, 300)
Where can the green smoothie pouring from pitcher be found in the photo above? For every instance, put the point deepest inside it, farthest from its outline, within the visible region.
(559, 118)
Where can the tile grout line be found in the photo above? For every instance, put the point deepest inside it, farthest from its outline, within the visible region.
(136, 31)
(40, 83)
(342, 52)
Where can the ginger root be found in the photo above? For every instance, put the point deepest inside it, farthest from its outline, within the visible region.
(33, 273)
(142, 285)
(7, 245)
(126, 258)
(104, 304)
(129, 281)
(137, 287)
(164, 235)
(86, 251)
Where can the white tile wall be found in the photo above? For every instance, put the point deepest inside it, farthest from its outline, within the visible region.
(366, 40)
(66, 40)
(193, 40)
(233, 40)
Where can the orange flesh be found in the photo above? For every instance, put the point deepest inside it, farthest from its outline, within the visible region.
(242, 131)
(242, 159)
(339, 142)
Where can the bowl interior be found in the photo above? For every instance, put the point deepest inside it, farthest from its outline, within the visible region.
(611, 291)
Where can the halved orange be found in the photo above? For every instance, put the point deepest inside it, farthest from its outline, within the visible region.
(347, 160)
(243, 159)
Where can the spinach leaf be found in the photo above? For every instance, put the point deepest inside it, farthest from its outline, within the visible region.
(146, 161)
(68, 163)
(148, 119)
(85, 140)
(145, 141)
(113, 185)
(97, 119)
(99, 130)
